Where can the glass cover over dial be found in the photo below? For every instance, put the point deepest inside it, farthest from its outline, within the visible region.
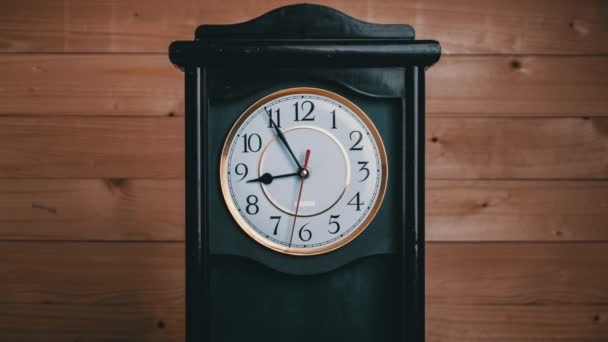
(303, 171)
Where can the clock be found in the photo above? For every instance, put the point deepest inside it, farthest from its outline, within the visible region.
(304, 178)
(303, 171)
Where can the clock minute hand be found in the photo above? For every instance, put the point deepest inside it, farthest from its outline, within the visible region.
(283, 139)
(267, 178)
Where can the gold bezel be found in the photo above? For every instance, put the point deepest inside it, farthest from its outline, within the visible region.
(224, 172)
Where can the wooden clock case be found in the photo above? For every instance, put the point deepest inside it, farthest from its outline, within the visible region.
(369, 290)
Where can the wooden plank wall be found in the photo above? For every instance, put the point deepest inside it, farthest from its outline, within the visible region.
(91, 166)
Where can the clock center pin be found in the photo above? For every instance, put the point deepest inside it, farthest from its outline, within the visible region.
(305, 173)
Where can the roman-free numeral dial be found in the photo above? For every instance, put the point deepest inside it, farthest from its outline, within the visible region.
(303, 171)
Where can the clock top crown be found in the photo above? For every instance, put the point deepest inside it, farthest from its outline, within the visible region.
(305, 35)
(306, 21)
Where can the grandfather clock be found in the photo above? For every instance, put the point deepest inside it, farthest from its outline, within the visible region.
(304, 178)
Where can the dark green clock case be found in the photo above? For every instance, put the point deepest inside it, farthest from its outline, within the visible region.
(369, 290)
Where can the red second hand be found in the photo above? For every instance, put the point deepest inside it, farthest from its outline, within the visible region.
(299, 197)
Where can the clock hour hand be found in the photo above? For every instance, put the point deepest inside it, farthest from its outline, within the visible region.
(283, 139)
(267, 178)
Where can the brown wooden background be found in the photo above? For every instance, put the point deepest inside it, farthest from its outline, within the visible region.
(91, 166)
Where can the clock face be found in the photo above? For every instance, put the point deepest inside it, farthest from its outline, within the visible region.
(303, 171)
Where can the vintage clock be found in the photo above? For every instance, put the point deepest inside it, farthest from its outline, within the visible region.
(304, 178)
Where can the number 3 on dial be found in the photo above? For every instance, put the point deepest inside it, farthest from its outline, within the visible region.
(298, 205)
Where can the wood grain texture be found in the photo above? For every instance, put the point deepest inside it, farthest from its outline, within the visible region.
(91, 147)
(516, 211)
(122, 291)
(507, 323)
(92, 209)
(42, 322)
(529, 274)
(462, 26)
(473, 148)
(153, 210)
(90, 85)
(506, 148)
(92, 292)
(148, 85)
(518, 86)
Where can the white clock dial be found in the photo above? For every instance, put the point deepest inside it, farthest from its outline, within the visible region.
(291, 203)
